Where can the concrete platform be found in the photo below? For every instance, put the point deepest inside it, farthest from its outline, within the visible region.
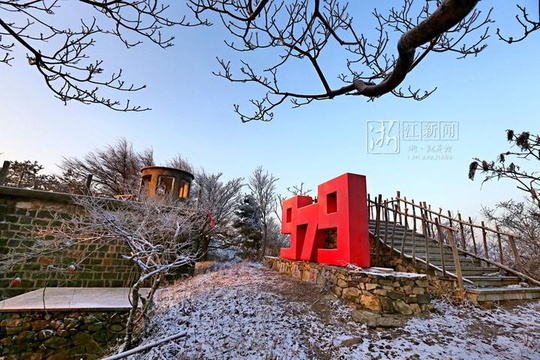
(66, 299)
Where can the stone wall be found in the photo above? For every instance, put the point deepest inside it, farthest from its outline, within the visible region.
(59, 335)
(377, 290)
(438, 285)
(21, 213)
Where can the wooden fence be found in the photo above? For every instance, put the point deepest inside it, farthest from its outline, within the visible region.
(492, 247)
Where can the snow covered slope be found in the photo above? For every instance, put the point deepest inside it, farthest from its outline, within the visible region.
(244, 311)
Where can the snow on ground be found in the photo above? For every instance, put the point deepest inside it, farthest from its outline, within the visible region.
(244, 311)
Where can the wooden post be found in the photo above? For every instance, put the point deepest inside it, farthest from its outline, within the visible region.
(414, 231)
(87, 190)
(398, 206)
(4, 172)
(378, 228)
(426, 235)
(456, 259)
(462, 232)
(501, 256)
(370, 211)
(439, 231)
(516, 253)
(386, 222)
(394, 226)
(484, 239)
(473, 238)
(404, 233)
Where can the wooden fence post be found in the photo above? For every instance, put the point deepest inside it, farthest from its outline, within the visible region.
(441, 248)
(4, 172)
(516, 253)
(484, 239)
(87, 184)
(473, 237)
(456, 259)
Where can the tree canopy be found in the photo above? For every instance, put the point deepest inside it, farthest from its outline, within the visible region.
(377, 45)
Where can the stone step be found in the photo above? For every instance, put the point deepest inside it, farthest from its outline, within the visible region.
(494, 281)
(479, 295)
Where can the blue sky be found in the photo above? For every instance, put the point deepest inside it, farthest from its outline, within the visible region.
(192, 115)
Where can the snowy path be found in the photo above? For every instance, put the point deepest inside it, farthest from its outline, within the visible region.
(244, 311)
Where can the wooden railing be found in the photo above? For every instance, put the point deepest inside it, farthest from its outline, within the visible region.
(489, 246)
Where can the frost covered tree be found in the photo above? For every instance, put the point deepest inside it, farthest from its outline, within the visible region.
(522, 219)
(217, 199)
(159, 239)
(115, 169)
(520, 164)
(249, 225)
(28, 174)
(181, 163)
(263, 188)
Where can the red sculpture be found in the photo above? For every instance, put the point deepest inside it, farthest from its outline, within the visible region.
(333, 230)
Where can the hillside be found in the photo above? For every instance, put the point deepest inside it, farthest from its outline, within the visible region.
(245, 311)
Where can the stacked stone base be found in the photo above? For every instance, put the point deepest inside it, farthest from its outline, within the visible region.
(370, 291)
(59, 335)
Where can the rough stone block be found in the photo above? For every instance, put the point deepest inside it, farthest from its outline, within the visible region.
(371, 302)
(401, 307)
(350, 293)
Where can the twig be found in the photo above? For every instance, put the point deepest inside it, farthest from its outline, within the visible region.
(145, 347)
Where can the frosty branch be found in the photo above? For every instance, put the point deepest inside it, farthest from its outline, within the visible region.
(158, 238)
(61, 52)
(312, 32)
(527, 147)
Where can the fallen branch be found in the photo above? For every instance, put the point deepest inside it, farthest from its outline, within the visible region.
(144, 347)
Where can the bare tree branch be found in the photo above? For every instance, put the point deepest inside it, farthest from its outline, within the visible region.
(528, 148)
(61, 53)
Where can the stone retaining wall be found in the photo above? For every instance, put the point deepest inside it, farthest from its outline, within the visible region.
(21, 212)
(377, 290)
(57, 335)
(438, 284)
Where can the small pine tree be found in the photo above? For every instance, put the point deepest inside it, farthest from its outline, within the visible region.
(249, 226)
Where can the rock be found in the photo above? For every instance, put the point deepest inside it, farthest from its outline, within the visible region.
(387, 305)
(95, 327)
(45, 334)
(81, 338)
(418, 290)
(370, 302)
(370, 286)
(346, 341)
(394, 295)
(415, 308)
(56, 342)
(25, 337)
(116, 327)
(423, 299)
(364, 317)
(351, 293)
(375, 320)
(401, 307)
(390, 321)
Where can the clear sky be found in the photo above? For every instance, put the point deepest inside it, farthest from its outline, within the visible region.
(192, 115)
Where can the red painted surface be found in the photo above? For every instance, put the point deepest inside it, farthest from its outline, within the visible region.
(341, 209)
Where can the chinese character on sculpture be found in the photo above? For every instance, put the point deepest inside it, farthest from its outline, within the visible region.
(333, 230)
